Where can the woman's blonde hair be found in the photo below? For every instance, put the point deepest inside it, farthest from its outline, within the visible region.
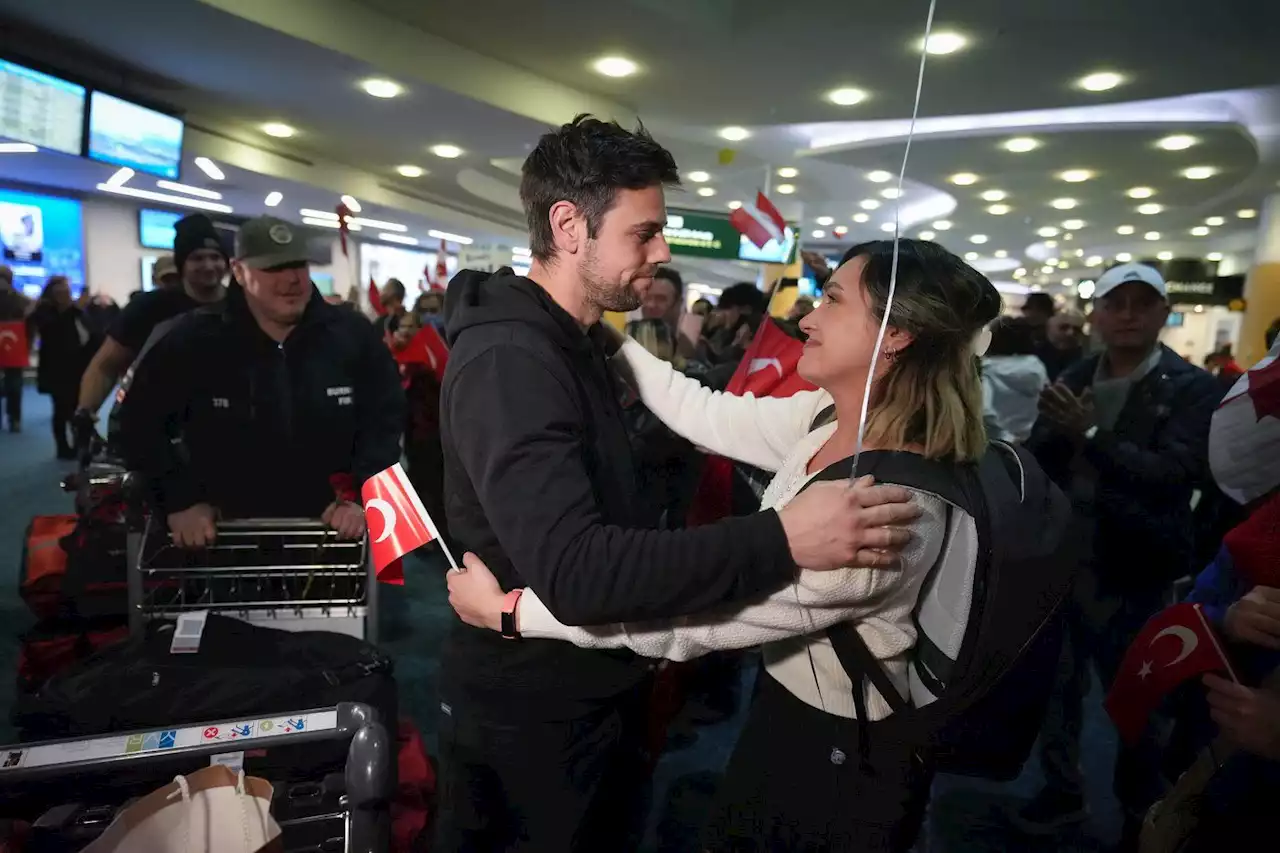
(931, 394)
(655, 336)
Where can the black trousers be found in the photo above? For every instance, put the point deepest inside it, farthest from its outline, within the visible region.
(64, 409)
(573, 786)
(796, 782)
(13, 394)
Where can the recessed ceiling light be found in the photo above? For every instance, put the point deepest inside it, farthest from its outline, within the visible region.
(166, 198)
(927, 235)
(998, 209)
(409, 171)
(1213, 256)
(1215, 221)
(399, 238)
(1021, 144)
(1047, 269)
(1093, 261)
(734, 205)
(869, 204)
(1247, 213)
(1048, 231)
(1150, 209)
(1079, 253)
(787, 172)
(971, 256)
(699, 177)
(942, 225)
(1076, 176)
(273, 198)
(1140, 192)
(1020, 272)
(1124, 257)
(733, 133)
(1051, 244)
(448, 152)
(1073, 224)
(351, 203)
(785, 189)
(846, 96)
(994, 195)
(1200, 231)
(963, 179)
(1165, 256)
(879, 176)
(1125, 229)
(861, 217)
(839, 231)
(1068, 236)
(1199, 173)
(200, 192)
(891, 193)
(979, 239)
(381, 88)
(1001, 253)
(120, 177)
(1100, 81)
(889, 227)
(210, 168)
(825, 220)
(818, 235)
(1064, 203)
(941, 44)
(1177, 142)
(614, 66)
(278, 129)
(706, 192)
(1151, 235)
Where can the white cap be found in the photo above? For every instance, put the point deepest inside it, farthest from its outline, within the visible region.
(1125, 273)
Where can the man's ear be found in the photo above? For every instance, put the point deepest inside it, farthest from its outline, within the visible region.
(568, 228)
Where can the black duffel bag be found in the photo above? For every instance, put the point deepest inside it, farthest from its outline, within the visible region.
(240, 671)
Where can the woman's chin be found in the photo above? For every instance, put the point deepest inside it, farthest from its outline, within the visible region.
(806, 367)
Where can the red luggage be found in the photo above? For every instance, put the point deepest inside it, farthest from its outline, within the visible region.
(44, 563)
(56, 644)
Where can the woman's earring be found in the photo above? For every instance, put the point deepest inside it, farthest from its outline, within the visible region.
(891, 355)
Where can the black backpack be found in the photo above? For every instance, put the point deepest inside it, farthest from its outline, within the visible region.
(982, 670)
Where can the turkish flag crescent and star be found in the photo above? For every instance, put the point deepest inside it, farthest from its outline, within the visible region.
(1175, 645)
(767, 369)
(13, 344)
(398, 522)
(759, 222)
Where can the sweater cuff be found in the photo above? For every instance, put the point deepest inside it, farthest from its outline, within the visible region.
(535, 620)
(769, 565)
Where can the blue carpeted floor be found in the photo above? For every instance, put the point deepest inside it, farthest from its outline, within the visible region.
(965, 816)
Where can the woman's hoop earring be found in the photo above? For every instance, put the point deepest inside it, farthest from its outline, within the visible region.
(891, 355)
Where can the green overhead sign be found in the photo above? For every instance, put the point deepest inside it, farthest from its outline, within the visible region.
(707, 235)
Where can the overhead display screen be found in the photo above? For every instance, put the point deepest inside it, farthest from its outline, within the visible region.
(127, 134)
(40, 110)
(41, 236)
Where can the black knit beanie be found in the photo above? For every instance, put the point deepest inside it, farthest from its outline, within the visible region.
(193, 233)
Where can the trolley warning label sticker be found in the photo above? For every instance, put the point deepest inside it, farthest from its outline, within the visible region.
(282, 725)
(230, 732)
(12, 758)
(166, 739)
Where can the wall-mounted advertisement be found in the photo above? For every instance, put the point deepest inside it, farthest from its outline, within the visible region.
(41, 236)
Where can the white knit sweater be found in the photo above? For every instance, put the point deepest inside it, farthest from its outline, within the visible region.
(773, 434)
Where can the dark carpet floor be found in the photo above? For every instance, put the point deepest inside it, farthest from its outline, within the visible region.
(965, 816)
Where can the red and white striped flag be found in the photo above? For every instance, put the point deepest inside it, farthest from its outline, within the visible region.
(403, 524)
(759, 222)
(442, 269)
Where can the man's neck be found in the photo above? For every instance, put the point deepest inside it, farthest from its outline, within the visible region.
(563, 285)
(273, 329)
(205, 296)
(1121, 363)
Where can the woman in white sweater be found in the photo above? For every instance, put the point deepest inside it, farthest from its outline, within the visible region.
(798, 780)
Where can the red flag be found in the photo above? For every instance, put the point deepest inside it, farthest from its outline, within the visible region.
(1175, 645)
(427, 348)
(442, 269)
(767, 369)
(14, 351)
(759, 222)
(375, 299)
(343, 230)
(403, 524)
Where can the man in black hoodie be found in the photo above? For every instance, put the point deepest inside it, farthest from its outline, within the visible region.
(541, 742)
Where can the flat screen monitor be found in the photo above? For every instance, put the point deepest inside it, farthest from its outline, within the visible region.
(41, 110)
(155, 228)
(128, 134)
(772, 252)
(41, 236)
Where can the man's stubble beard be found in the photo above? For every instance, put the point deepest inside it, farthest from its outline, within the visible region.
(606, 296)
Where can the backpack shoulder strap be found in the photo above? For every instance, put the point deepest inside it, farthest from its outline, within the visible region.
(902, 469)
(859, 663)
(824, 417)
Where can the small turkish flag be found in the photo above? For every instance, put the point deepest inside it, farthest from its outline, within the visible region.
(1175, 645)
(13, 344)
(441, 280)
(375, 299)
(759, 222)
(427, 348)
(398, 522)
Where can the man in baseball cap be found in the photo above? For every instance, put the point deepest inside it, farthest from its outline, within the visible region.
(271, 264)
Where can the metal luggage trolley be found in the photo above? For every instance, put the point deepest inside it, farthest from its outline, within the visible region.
(71, 789)
(292, 574)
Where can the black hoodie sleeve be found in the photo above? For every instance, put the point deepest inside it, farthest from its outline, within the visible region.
(380, 407)
(524, 458)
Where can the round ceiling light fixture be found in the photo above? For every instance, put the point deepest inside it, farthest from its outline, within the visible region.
(994, 195)
(825, 220)
(942, 225)
(1125, 230)
(926, 235)
(846, 96)
(1199, 173)
(448, 152)
(706, 192)
(699, 177)
(879, 176)
(1076, 176)
(279, 130)
(380, 87)
(1100, 81)
(1215, 221)
(733, 133)
(944, 43)
(891, 193)
(1200, 231)
(1151, 235)
(998, 209)
(1247, 213)
(963, 179)
(1150, 209)
(1177, 142)
(615, 66)
(785, 189)
(1064, 203)
(1140, 192)
(1048, 231)
(1021, 144)
(410, 171)
(788, 172)
(869, 204)
(861, 218)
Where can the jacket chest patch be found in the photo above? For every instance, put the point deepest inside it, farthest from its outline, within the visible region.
(342, 395)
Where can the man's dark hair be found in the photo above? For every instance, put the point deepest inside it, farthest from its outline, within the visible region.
(746, 295)
(1012, 336)
(586, 162)
(1041, 302)
(671, 275)
(396, 286)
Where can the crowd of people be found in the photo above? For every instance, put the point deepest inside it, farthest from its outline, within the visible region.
(564, 458)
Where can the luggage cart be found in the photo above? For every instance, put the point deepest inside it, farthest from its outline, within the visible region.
(291, 574)
(71, 789)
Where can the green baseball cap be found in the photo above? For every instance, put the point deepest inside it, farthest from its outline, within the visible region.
(265, 242)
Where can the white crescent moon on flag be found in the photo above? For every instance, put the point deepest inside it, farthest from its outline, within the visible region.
(388, 514)
(7, 338)
(1183, 633)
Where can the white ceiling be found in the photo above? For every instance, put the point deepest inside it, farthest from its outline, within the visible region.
(491, 75)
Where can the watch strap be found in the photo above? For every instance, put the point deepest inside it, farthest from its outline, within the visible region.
(509, 614)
